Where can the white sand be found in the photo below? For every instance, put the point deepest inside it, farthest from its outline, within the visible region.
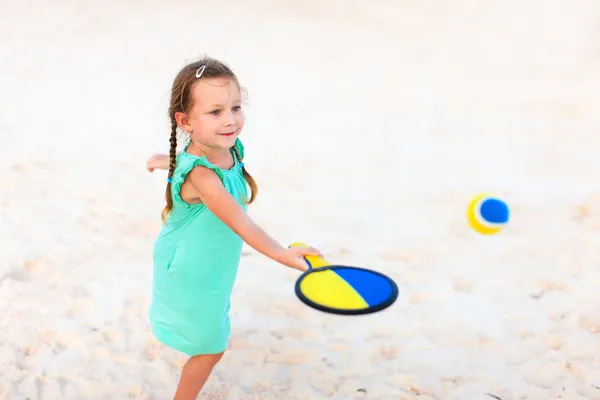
(440, 99)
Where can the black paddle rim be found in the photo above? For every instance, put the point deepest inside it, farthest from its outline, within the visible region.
(362, 311)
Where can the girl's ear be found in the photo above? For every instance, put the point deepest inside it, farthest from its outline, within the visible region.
(183, 122)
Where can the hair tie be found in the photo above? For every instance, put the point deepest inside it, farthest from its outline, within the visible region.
(241, 165)
(169, 180)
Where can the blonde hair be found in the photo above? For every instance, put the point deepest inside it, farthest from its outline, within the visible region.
(181, 101)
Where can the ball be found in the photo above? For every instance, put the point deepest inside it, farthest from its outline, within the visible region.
(487, 215)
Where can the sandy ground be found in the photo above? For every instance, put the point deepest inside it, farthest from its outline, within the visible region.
(371, 124)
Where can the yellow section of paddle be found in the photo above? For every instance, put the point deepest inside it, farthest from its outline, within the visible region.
(327, 288)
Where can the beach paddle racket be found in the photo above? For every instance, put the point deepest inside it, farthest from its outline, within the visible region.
(342, 289)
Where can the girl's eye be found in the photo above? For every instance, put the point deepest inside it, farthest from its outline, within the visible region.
(237, 108)
(215, 112)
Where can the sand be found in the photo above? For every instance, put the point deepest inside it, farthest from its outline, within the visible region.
(371, 124)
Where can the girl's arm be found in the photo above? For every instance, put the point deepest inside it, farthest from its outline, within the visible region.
(213, 194)
(160, 161)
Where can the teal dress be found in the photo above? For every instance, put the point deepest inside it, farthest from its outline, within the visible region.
(196, 258)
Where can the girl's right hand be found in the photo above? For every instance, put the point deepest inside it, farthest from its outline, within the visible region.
(293, 257)
(160, 161)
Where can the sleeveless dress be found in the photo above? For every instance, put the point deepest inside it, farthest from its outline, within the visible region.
(196, 258)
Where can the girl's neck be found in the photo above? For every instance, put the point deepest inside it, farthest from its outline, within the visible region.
(215, 155)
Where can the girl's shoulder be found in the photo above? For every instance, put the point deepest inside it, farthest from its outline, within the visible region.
(186, 162)
(239, 147)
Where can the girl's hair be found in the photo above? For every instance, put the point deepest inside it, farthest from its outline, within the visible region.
(181, 101)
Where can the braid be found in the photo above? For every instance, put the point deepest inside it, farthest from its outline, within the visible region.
(251, 182)
(173, 149)
(172, 164)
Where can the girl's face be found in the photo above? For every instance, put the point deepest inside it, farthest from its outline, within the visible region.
(216, 118)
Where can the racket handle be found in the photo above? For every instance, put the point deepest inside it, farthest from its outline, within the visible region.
(312, 261)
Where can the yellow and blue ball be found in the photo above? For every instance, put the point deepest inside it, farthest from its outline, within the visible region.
(487, 215)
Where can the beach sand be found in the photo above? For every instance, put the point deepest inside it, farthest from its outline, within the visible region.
(371, 125)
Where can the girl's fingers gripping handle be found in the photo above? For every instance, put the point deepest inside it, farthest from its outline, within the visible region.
(312, 261)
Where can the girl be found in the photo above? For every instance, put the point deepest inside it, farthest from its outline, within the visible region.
(197, 252)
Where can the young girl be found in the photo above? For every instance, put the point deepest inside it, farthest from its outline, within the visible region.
(197, 252)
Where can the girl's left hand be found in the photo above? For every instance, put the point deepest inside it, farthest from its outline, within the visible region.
(160, 161)
(293, 257)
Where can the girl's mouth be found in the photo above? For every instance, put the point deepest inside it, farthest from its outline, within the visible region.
(226, 134)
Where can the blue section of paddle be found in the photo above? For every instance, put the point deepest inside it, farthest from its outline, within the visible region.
(374, 288)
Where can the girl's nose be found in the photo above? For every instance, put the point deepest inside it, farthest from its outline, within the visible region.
(230, 120)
